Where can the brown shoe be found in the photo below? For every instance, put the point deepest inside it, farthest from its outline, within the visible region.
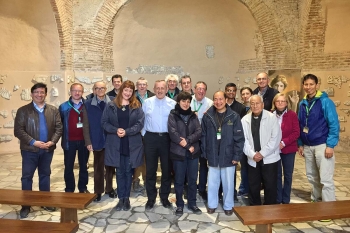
(211, 211)
(228, 212)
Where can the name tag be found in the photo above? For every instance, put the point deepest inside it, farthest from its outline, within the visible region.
(218, 136)
(79, 125)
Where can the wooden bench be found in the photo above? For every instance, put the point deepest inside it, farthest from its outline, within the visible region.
(11, 225)
(68, 202)
(265, 215)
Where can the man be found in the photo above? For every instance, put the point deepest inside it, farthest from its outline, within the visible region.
(172, 81)
(237, 107)
(141, 94)
(264, 90)
(157, 143)
(319, 134)
(200, 104)
(38, 127)
(95, 140)
(186, 84)
(222, 144)
(73, 139)
(117, 81)
(262, 138)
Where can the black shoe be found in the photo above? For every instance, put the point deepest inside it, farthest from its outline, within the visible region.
(179, 211)
(112, 194)
(235, 198)
(85, 191)
(149, 204)
(50, 209)
(120, 204)
(204, 195)
(98, 198)
(24, 211)
(195, 209)
(126, 205)
(166, 203)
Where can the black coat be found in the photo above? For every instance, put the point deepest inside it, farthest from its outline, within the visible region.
(232, 139)
(268, 97)
(191, 132)
(110, 124)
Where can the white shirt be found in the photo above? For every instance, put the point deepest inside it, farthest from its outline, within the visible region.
(203, 106)
(156, 114)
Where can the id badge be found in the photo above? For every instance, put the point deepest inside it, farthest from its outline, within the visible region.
(79, 125)
(306, 129)
(218, 136)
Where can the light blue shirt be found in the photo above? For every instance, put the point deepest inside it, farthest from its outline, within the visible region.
(38, 108)
(204, 104)
(156, 114)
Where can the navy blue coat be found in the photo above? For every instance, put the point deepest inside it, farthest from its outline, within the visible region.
(110, 124)
(232, 138)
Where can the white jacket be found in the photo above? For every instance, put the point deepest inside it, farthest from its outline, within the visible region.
(270, 138)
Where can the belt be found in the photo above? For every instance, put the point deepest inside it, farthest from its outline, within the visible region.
(158, 133)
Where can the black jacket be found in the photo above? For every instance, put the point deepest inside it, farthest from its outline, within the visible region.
(191, 132)
(149, 94)
(268, 97)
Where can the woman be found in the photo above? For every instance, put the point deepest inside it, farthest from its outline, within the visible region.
(123, 120)
(243, 190)
(289, 124)
(185, 131)
(279, 83)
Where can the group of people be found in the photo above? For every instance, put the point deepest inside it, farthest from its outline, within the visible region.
(195, 138)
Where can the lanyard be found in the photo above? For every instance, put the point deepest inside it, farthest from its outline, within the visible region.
(195, 108)
(77, 110)
(142, 99)
(308, 111)
(171, 94)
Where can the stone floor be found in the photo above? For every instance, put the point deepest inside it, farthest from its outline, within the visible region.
(102, 217)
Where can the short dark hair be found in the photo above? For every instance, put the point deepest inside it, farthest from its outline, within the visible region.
(185, 76)
(117, 76)
(310, 76)
(200, 82)
(183, 96)
(225, 96)
(230, 85)
(38, 85)
(246, 88)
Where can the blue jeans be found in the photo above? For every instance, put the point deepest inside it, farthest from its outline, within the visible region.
(244, 186)
(124, 177)
(283, 191)
(31, 161)
(69, 159)
(225, 175)
(183, 168)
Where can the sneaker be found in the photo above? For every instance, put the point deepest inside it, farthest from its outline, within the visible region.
(179, 211)
(126, 205)
(24, 212)
(195, 209)
(50, 209)
(120, 204)
(204, 195)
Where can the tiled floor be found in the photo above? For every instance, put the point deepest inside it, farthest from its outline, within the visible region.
(102, 217)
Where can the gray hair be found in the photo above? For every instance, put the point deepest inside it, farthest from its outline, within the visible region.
(171, 76)
(261, 98)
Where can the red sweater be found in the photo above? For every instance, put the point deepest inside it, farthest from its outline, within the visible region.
(290, 132)
(74, 133)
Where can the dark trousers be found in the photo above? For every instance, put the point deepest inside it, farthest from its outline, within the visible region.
(244, 186)
(69, 158)
(186, 168)
(30, 162)
(124, 177)
(100, 175)
(263, 173)
(283, 191)
(157, 146)
(203, 174)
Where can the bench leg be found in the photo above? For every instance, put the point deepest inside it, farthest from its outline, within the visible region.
(69, 215)
(267, 228)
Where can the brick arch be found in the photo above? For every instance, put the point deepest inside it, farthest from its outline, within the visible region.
(63, 12)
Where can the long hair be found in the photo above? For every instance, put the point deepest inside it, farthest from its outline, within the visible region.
(133, 102)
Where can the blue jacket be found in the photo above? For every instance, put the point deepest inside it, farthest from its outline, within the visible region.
(93, 132)
(232, 138)
(110, 124)
(322, 123)
(64, 110)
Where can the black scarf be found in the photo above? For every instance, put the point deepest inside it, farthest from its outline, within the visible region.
(181, 111)
(279, 113)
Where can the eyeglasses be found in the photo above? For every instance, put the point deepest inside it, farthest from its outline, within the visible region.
(280, 101)
(201, 89)
(77, 91)
(142, 84)
(261, 79)
(186, 83)
(99, 88)
(255, 104)
(230, 91)
(39, 92)
(172, 82)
